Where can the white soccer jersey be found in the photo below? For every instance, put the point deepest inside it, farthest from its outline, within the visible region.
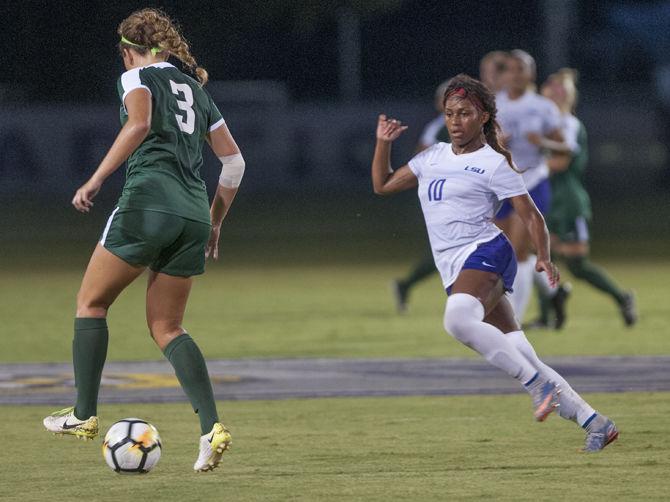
(430, 132)
(460, 195)
(531, 113)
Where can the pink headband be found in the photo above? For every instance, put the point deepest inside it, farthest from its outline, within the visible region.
(463, 94)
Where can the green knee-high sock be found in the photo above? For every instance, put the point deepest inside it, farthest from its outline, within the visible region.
(582, 268)
(191, 370)
(89, 351)
(423, 269)
(544, 305)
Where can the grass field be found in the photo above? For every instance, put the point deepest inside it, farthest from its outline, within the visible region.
(331, 310)
(452, 448)
(321, 289)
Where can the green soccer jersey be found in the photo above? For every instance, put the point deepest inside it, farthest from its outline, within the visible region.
(443, 135)
(569, 198)
(163, 174)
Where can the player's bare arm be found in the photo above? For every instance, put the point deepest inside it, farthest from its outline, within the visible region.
(224, 147)
(552, 142)
(132, 134)
(534, 222)
(386, 181)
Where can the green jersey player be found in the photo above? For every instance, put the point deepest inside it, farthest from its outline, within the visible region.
(163, 221)
(570, 214)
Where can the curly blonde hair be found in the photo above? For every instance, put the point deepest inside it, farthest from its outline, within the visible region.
(149, 28)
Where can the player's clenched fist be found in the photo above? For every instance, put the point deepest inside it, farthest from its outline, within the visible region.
(389, 129)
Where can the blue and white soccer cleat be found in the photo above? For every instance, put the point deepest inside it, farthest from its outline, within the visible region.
(545, 399)
(597, 439)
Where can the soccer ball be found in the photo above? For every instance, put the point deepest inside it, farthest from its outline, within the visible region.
(131, 446)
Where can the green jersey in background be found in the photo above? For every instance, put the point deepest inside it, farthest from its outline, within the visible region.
(569, 199)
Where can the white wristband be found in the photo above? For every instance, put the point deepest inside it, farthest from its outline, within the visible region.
(232, 170)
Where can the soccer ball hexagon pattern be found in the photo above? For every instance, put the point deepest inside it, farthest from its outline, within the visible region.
(132, 446)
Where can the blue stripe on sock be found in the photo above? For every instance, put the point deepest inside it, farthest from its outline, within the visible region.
(532, 379)
(589, 420)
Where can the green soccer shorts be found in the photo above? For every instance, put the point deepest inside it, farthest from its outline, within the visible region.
(164, 242)
(570, 229)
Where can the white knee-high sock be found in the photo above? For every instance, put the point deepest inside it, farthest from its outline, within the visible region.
(572, 406)
(542, 282)
(464, 320)
(523, 286)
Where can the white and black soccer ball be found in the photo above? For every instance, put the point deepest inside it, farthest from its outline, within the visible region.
(132, 446)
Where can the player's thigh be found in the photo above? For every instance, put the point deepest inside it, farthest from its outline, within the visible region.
(105, 277)
(487, 287)
(185, 256)
(571, 247)
(167, 296)
(574, 249)
(502, 316)
(572, 236)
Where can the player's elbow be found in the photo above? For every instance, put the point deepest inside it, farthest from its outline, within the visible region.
(380, 190)
(140, 128)
(232, 170)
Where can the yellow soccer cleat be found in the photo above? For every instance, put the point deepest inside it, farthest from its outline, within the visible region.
(212, 446)
(64, 422)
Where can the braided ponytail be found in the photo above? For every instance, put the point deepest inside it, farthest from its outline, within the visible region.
(152, 28)
(483, 99)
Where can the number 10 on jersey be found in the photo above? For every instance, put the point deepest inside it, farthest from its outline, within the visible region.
(435, 190)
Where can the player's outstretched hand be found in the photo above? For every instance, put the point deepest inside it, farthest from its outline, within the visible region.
(83, 199)
(551, 270)
(213, 243)
(389, 129)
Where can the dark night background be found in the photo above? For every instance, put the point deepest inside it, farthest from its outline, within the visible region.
(66, 51)
(306, 128)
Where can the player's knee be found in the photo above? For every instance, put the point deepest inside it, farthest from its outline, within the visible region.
(90, 306)
(163, 332)
(462, 312)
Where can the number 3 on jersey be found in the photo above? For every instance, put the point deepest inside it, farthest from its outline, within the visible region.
(186, 125)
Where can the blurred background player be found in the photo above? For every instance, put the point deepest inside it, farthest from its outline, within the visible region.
(531, 126)
(162, 222)
(491, 70)
(570, 214)
(460, 187)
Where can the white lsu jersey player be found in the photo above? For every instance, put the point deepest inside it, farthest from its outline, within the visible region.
(460, 195)
(530, 113)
